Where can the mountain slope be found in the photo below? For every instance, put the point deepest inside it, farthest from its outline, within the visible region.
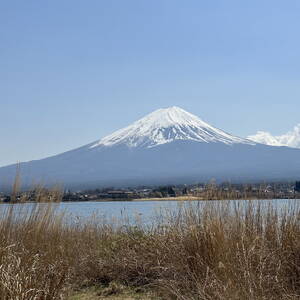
(167, 146)
(167, 125)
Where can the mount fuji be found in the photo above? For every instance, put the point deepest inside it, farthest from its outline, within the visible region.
(166, 126)
(167, 146)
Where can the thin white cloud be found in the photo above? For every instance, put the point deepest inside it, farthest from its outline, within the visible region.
(290, 139)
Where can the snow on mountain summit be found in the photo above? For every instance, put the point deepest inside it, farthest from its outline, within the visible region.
(166, 125)
(290, 139)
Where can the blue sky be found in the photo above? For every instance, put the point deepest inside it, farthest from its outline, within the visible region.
(74, 71)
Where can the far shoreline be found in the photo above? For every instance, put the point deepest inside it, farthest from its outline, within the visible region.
(164, 199)
(179, 199)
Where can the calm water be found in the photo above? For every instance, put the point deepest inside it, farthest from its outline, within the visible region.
(142, 211)
(150, 208)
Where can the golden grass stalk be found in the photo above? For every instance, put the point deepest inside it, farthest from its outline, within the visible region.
(215, 250)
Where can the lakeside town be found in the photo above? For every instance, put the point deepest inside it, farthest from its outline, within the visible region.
(199, 191)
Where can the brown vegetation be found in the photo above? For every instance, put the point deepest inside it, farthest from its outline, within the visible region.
(213, 251)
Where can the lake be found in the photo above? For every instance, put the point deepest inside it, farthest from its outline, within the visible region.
(141, 211)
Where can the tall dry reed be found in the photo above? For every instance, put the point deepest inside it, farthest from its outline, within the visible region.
(219, 250)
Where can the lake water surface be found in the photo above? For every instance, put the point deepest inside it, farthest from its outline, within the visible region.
(144, 211)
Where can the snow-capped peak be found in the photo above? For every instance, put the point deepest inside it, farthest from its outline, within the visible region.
(290, 139)
(167, 125)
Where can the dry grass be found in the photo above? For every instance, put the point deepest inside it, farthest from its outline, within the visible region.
(114, 291)
(214, 251)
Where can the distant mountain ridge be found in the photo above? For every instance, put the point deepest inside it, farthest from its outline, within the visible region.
(290, 139)
(167, 146)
